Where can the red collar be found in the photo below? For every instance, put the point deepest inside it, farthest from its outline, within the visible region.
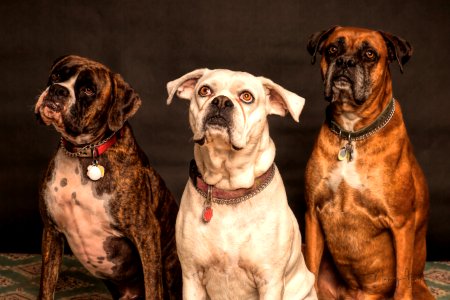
(90, 150)
(230, 197)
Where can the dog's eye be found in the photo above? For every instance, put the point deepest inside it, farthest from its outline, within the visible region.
(246, 97)
(204, 91)
(54, 77)
(332, 50)
(87, 91)
(370, 54)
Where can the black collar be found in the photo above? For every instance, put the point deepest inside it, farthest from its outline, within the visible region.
(367, 131)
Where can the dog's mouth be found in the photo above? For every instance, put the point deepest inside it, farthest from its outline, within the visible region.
(52, 105)
(49, 111)
(339, 87)
(216, 121)
(218, 126)
(202, 141)
(342, 81)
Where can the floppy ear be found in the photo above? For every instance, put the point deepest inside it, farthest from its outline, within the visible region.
(184, 86)
(125, 103)
(316, 40)
(398, 49)
(282, 100)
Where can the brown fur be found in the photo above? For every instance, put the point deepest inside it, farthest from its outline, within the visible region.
(367, 243)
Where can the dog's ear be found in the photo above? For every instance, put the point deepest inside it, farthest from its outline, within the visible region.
(399, 49)
(125, 103)
(316, 40)
(184, 86)
(282, 100)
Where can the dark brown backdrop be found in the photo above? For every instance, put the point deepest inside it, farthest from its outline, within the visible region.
(152, 42)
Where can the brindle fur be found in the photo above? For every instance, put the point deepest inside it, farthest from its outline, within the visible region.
(143, 209)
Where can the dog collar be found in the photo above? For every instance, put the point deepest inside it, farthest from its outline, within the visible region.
(380, 122)
(228, 197)
(94, 171)
(90, 150)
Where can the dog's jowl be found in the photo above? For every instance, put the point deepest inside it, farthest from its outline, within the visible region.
(367, 198)
(99, 191)
(236, 236)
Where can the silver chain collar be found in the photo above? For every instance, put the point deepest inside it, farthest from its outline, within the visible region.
(86, 151)
(234, 201)
(361, 134)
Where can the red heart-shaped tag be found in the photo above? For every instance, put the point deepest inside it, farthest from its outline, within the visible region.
(207, 214)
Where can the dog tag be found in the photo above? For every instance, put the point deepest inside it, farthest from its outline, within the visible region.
(95, 171)
(346, 152)
(207, 210)
(207, 214)
(349, 150)
(342, 153)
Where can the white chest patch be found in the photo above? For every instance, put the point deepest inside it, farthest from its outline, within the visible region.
(345, 171)
(349, 120)
(80, 214)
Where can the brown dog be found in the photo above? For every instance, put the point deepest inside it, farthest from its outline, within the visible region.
(100, 192)
(367, 198)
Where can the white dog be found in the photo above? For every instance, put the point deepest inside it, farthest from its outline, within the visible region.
(236, 236)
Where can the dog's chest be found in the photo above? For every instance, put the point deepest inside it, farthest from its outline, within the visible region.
(232, 252)
(80, 214)
(345, 172)
(227, 238)
(350, 189)
(228, 256)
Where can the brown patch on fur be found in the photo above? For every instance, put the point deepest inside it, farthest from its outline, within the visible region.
(63, 182)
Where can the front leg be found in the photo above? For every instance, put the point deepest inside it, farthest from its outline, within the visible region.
(52, 251)
(193, 289)
(314, 243)
(404, 250)
(271, 291)
(149, 247)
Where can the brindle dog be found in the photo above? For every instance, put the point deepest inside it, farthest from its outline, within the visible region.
(120, 226)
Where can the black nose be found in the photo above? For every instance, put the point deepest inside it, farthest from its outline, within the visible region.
(222, 102)
(59, 91)
(345, 62)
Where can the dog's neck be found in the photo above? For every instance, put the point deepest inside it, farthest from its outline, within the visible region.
(226, 168)
(85, 139)
(93, 149)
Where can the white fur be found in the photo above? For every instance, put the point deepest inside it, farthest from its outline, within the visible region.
(70, 85)
(83, 219)
(221, 167)
(251, 250)
(248, 251)
(349, 120)
(346, 171)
